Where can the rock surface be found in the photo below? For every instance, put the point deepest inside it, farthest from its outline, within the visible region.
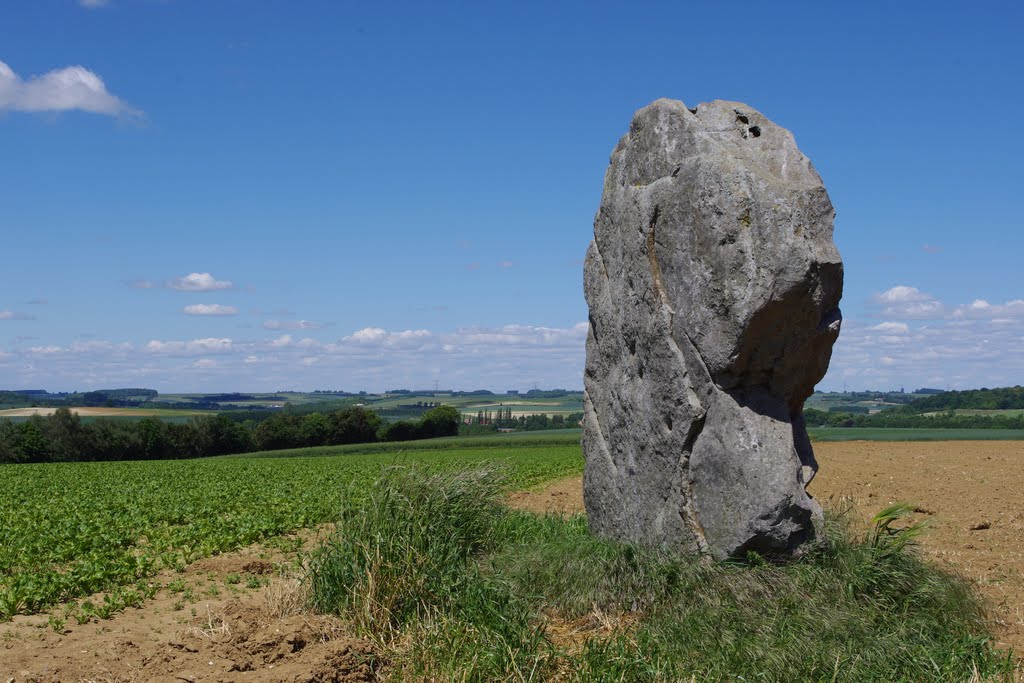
(713, 285)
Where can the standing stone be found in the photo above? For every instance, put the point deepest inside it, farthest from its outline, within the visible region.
(713, 285)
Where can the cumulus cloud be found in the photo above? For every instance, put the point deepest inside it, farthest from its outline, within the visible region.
(15, 315)
(903, 301)
(981, 309)
(193, 347)
(368, 335)
(70, 88)
(956, 353)
(375, 336)
(199, 282)
(291, 325)
(892, 328)
(371, 358)
(210, 309)
(45, 350)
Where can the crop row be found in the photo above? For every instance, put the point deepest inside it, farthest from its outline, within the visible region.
(71, 529)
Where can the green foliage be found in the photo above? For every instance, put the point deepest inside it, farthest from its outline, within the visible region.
(399, 556)
(66, 437)
(939, 411)
(440, 421)
(71, 529)
(436, 422)
(976, 399)
(402, 565)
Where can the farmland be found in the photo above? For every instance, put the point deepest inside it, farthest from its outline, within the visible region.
(173, 538)
(70, 529)
(89, 413)
(210, 618)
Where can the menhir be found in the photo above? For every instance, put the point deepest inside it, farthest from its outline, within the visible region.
(713, 285)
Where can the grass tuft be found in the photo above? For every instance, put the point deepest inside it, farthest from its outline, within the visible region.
(454, 586)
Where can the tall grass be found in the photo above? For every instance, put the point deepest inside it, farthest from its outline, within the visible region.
(454, 586)
(403, 569)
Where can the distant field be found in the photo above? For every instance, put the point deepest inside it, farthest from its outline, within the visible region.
(103, 412)
(513, 440)
(1013, 412)
(471, 405)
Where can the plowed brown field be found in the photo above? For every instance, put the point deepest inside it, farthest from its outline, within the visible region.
(970, 492)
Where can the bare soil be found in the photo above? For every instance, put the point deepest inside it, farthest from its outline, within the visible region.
(239, 616)
(970, 493)
(233, 617)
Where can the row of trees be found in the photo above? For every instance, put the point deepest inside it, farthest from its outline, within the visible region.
(1006, 398)
(895, 418)
(64, 437)
(502, 418)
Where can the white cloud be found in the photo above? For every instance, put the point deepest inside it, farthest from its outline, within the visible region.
(901, 294)
(368, 335)
(193, 347)
(956, 353)
(903, 301)
(210, 309)
(46, 350)
(199, 282)
(15, 315)
(98, 346)
(291, 325)
(372, 358)
(73, 87)
(980, 309)
(892, 328)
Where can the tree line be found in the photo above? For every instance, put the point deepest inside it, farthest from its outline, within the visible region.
(64, 437)
(1006, 398)
(896, 418)
(491, 421)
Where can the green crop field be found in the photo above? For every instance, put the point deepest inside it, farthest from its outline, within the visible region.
(71, 529)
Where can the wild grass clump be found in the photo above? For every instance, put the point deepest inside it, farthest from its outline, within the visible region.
(457, 587)
(403, 568)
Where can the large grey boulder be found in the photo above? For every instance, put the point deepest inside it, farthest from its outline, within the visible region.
(713, 285)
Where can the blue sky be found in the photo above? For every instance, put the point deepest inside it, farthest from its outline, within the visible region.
(246, 195)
